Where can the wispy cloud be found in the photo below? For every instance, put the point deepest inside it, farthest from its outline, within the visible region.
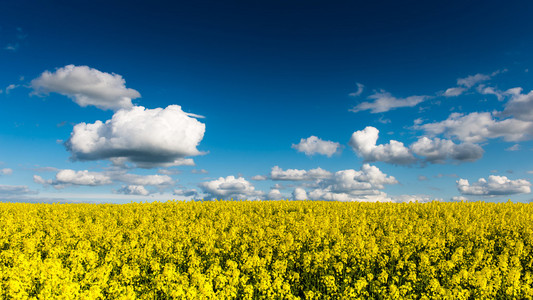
(384, 101)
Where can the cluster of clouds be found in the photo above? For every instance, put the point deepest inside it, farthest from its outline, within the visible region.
(424, 150)
(344, 185)
(167, 137)
(135, 184)
(148, 138)
(494, 186)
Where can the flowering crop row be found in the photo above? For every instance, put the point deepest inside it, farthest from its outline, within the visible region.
(266, 250)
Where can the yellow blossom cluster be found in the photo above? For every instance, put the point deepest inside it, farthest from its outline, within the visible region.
(266, 250)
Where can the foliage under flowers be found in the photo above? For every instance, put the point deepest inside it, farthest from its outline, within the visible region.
(266, 250)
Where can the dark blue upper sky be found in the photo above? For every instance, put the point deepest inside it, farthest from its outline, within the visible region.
(266, 74)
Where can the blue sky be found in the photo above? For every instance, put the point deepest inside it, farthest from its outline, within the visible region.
(343, 100)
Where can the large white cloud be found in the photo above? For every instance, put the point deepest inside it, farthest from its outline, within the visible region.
(438, 150)
(230, 187)
(384, 101)
(146, 137)
(477, 127)
(87, 86)
(364, 141)
(495, 185)
(278, 173)
(314, 145)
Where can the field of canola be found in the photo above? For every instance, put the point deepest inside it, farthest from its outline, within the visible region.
(266, 250)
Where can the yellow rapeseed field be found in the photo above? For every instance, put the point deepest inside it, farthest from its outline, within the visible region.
(266, 250)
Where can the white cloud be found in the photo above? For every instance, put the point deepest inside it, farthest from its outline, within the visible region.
(186, 192)
(230, 187)
(520, 105)
(359, 91)
(6, 190)
(495, 185)
(384, 101)
(87, 86)
(487, 90)
(278, 173)
(6, 171)
(259, 177)
(12, 47)
(350, 185)
(459, 198)
(364, 141)
(438, 150)
(414, 198)
(472, 80)
(478, 127)
(11, 87)
(146, 137)
(313, 145)
(454, 92)
(514, 147)
(299, 194)
(68, 177)
(201, 171)
(422, 178)
(21, 193)
(427, 150)
(134, 190)
(168, 171)
(135, 179)
(275, 194)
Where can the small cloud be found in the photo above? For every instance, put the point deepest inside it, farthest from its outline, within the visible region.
(11, 87)
(186, 192)
(134, 190)
(314, 145)
(6, 171)
(12, 47)
(201, 171)
(454, 92)
(384, 101)
(422, 178)
(259, 177)
(168, 171)
(472, 80)
(275, 194)
(230, 187)
(459, 198)
(514, 147)
(359, 91)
